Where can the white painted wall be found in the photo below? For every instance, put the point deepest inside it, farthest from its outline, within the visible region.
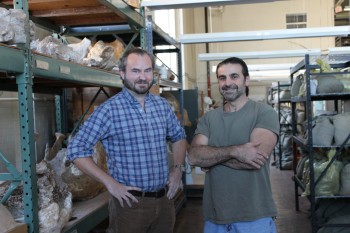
(44, 120)
(9, 129)
(250, 17)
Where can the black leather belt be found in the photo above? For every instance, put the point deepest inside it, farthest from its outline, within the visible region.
(157, 194)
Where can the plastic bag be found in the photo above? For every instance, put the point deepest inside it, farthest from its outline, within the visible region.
(330, 183)
(323, 132)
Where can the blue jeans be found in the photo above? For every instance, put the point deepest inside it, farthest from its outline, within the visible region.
(262, 225)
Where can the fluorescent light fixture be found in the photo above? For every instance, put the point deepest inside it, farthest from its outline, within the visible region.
(264, 35)
(339, 50)
(175, 4)
(347, 8)
(270, 73)
(276, 78)
(258, 54)
(265, 67)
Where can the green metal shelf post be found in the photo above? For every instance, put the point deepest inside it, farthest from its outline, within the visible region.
(26, 106)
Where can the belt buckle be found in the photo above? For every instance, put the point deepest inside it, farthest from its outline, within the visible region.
(162, 192)
(159, 193)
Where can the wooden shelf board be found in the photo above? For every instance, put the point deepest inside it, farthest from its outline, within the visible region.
(84, 213)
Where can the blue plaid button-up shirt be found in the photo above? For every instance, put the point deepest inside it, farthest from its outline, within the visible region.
(134, 139)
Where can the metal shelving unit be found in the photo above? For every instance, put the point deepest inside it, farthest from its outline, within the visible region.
(276, 90)
(26, 72)
(281, 87)
(272, 101)
(307, 64)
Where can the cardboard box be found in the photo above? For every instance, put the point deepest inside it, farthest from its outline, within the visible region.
(20, 228)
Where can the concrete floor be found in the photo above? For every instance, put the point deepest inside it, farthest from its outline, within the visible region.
(189, 219)
(289, 220)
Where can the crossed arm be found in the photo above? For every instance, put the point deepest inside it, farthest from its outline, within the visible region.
(251, 155)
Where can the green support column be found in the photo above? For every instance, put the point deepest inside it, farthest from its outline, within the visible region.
(58, 113)
(30, 194)
(26, 117)
(142, 31)
(146, 35)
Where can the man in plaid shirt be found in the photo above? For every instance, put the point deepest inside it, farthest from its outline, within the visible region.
(134, 127)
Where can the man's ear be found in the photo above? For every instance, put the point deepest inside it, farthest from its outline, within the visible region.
(247, 80)
(122, 75)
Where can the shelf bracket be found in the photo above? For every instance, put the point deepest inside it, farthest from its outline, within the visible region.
(14, 175)
(76, 127)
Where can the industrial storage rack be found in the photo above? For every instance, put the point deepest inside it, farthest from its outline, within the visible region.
(281, 86)
(27, 72)
(307, 64)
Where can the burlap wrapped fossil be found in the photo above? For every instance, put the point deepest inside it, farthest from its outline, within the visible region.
(83, 187)
(296, 85)
(329, 184)
(80, 185)
(12, 24)
(345, 180)
(285, 94)
(55, 48)
(54, 200)
(329, 84)
(176, 107)
(342, 128)
(323, 132)
(101, 56)
(118, 46)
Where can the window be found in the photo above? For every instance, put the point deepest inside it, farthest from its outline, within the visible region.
(296, 20)
(165, 19)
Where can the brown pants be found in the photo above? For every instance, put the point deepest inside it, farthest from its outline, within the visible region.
(149, 215)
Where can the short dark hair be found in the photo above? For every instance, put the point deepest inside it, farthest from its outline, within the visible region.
(234, 60)
(138, 51)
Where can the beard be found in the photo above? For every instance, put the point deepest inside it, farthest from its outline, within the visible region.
(139, 87)
(232, 92)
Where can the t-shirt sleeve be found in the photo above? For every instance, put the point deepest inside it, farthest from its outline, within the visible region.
(202, 126)
(268, 119)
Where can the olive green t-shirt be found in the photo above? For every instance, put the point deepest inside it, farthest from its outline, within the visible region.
(232, 195)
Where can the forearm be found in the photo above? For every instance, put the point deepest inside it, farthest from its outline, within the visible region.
(246, 156)
(266, 141)
(179, 151)
(179, 154)
(236, 164)
(208, 156)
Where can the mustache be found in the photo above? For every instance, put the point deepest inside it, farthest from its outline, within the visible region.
(233, 86)
(141, 82)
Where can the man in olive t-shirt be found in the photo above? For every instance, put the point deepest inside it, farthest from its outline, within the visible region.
(233, 144)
